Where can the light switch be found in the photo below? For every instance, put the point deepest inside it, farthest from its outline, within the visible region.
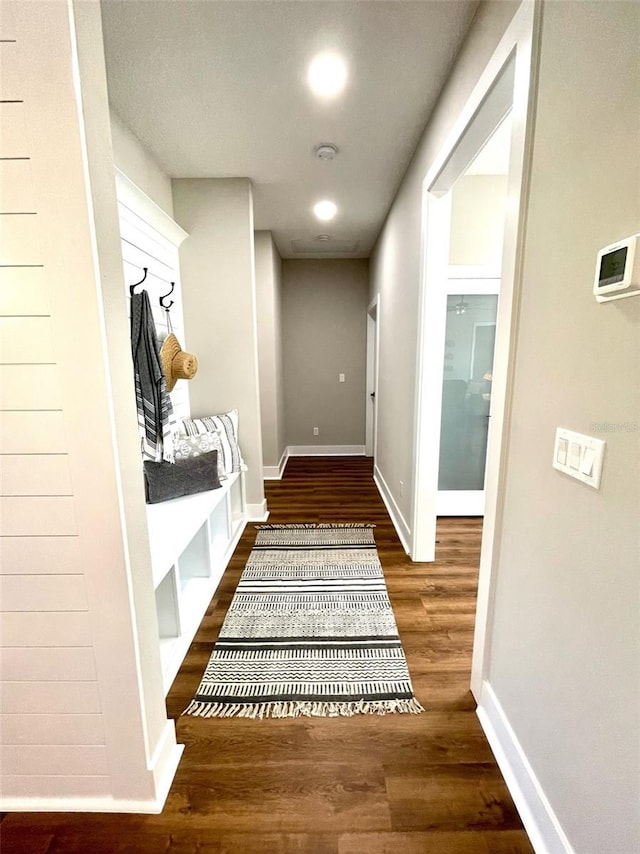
(579, 456)
(341, 378)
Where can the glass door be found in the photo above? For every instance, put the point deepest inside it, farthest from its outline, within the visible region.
(466, 401)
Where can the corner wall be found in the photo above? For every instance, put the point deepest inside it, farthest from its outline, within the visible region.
(565, 642)
(269, 316)
(219, 298)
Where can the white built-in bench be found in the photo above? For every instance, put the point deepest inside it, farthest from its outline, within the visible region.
(192, 540)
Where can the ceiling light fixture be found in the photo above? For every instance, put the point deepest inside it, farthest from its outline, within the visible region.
(325, 210)
(327, 75)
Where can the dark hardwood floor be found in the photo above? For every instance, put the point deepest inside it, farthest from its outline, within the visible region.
(412, 784)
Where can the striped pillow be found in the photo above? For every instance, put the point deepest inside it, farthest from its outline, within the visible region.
(226, 425)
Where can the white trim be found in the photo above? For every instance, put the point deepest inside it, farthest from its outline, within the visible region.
(473, 271)
(373, 362)
(276, 472)
(541, 823)
(449, 502)
(257, 512)
(399, 522)
(164, 765)
(325, 450)
(137, 200)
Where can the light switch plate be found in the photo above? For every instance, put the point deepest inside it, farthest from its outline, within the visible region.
(579, 456)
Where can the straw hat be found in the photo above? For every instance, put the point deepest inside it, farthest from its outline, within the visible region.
(176, 364)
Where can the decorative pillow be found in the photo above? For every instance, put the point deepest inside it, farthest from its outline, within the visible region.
(164, 481)
(226, 425)
(187, 447)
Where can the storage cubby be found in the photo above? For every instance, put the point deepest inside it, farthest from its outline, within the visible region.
(191, 541)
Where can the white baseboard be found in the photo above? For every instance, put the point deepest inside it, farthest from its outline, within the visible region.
(325, 451)
(399, 523)
(257, 512)
(541, 823)
(79, 802)
(276, 472)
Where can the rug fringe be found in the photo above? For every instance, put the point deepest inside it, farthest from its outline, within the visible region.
(304, 525)
(296, 709)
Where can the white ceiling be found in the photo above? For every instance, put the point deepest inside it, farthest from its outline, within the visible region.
(217, 88)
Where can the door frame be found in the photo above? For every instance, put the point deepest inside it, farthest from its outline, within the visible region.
(473, 126)
(373, 355)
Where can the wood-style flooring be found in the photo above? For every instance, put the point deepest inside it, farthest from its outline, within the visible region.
(411, 784)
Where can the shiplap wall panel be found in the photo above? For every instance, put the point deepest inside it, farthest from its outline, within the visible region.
(62, 697)
(35, 474)
(25, 340)
(45, 628)
(47, 664)
(28, 759)
(13, 132)
(54, 786)
(42, 593)
(23, 292)
(19, 240)
(51, 729)
(29, 387)
(40, 556)
(32, 433)
(25, 516)
(10, 88)
(16, 185)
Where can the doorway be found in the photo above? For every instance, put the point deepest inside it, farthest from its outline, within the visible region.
(503, 89)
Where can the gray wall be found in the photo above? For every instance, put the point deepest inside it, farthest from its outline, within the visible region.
(324, 309)
(218, 286)
(269, 314)
(565, 645)
(395, 262)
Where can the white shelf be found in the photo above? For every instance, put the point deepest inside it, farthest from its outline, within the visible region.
(192, 540)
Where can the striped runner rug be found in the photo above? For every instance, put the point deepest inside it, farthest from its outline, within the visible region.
(310, 631)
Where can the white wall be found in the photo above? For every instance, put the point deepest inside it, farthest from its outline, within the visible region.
(324, 308)
(219, 297)
(132, 158)
(395, 263)
(84, 723)
(269, 315)
(478, 209)
(565, 644)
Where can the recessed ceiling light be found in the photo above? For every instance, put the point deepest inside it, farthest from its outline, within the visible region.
(327, 75)
(325, 210)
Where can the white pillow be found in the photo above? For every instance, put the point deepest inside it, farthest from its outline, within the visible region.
(226, 425)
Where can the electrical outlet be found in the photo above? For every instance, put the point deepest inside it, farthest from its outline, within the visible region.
(316, 431)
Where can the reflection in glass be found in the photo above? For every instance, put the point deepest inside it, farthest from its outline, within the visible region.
(466, 390)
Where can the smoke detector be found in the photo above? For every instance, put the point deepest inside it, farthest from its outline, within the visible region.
(325, 151)
(322, 237)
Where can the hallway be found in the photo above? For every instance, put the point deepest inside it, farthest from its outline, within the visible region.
(425, 784)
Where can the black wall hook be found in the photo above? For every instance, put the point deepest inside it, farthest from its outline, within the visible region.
(131, 287)
(167, 306)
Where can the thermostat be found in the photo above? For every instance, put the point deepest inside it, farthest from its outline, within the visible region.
(618, 270)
